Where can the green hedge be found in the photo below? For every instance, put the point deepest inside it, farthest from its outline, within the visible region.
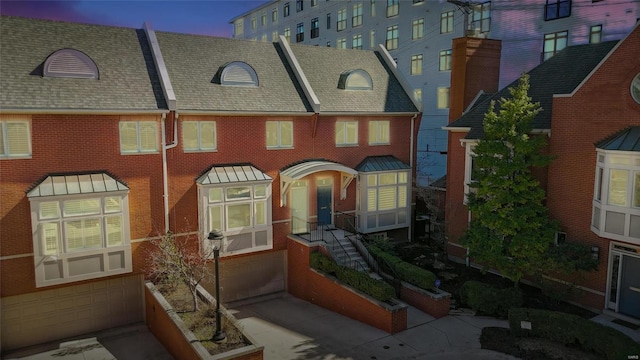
(377, 289)
(567, 329)
(490, 300)
(410, 273)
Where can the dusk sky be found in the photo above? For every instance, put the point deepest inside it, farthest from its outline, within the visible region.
(204, 17)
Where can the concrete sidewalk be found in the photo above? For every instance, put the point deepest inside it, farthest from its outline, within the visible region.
(291, 328)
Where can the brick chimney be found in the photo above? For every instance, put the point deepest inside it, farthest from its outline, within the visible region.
(475, 66)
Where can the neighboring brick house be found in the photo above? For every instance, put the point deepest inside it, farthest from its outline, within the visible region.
(111, 136)
(590, 96)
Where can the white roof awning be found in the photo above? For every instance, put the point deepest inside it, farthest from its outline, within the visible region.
(71, 184)
(232, 174)
(298, 171)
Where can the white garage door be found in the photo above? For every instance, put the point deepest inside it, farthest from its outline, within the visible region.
(70, 311)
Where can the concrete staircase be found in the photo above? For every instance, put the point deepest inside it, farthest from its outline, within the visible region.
(346, 254)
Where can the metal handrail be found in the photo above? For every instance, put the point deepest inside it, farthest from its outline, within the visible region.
(353, 263)
(349, 222)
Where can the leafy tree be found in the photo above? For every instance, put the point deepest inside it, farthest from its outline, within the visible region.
(510, 229)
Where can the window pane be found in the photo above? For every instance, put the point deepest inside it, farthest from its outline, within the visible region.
(286, 133)
(402, 196)
(18, 138)
(261, 213)
(372, 132)
(388, 179)
(340, 133)
(49, 210)
(387, 198)
(618, 187)
(371, 200)
(81, 207)
(112, 204)
(238, 216)
(239, 193)
(208, 135)
(383, 132)
(272, 133)
(83, 234)
(402, 178)
(372, 180)
(215, 217)
(636, 190)
(128, 137)
(190, 135)
(352, 132)
(148, 136)
(114, 230)
(215, 195)
(260, 191)
(50, 237)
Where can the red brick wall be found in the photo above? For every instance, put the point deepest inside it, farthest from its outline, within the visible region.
(311, 286)
(604, 106)
(456, 213)
(435, 306)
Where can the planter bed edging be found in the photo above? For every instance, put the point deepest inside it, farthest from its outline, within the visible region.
(434, 304)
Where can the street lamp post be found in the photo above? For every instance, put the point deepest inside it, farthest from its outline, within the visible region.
(216, 237)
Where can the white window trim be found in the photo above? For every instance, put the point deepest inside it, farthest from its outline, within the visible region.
(376, 124)
(64, 256)
(365, 213)
(344, 124)
(469, 145)
(6, 119)
(603, 205)
(205, 225)
(279, 145)
(139, 150)
(199, 134)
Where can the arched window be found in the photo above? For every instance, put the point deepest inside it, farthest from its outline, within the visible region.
(70, 63)
(238, 73)
(355, 80)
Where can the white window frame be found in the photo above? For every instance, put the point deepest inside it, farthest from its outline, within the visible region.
(372, 189)
(260, 195)
(7, 121)
(607, 162)
(469, 145)
(341, 128)
(139, 145)
(279, 140)
(200, 135)
(379, 132)
(63, 255)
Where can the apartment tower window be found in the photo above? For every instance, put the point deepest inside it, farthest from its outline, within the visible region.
(392, 8)
(553, 43)
(417, 29)
(446, 22)
(392, 37)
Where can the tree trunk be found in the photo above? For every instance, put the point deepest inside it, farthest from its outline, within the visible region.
(194, 294)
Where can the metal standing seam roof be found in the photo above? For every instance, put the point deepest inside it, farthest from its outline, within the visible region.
(626, 140)
(231, 174)
(381, 163)
(71, 184)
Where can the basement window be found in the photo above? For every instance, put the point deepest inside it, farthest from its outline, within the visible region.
(70, 63)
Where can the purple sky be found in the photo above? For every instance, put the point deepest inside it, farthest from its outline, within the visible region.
(204, 17)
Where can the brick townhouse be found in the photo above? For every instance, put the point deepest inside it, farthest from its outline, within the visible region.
(111, 136)
(590, 96)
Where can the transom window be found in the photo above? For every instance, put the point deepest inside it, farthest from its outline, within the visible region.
(15, 136)
(379, 132)
(279, 134)
(417, 29)
(138, 137)
(199, 136)
(346, 133)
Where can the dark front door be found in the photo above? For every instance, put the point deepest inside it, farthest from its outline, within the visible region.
(630, 287)
(324, 205)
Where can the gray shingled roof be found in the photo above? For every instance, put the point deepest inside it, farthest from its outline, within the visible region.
(561, 74)
(627, 139)
(128, 80)
(381, 163)
(323, 66)
(193, 61)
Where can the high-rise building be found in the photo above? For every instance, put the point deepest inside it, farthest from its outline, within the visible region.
(419, 35)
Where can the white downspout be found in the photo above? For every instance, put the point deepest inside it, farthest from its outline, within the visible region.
(165, 175)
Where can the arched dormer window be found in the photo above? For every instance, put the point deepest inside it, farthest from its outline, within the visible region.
(70, 63)
(355, 80)
(237, 73)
